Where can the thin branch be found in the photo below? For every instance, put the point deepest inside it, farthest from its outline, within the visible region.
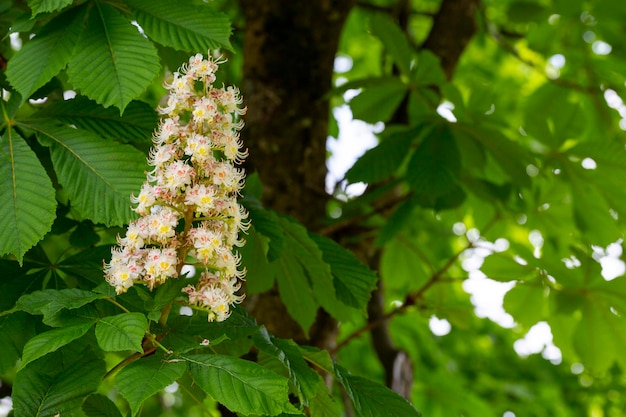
(413, 298)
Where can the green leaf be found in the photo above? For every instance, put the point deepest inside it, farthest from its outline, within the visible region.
(242, 386)
(435, 166)
(592, 214)
(295, 290)
(600, 336)
(21, 283)
(49, 302)
(377, 102)
(28, 204)
(145, 377)
(165, 294)
(97, 405)
(511, 157)
(136, 124)
(518, 299)
(86, 265)
(382, 161)
(323, 405)
(502, 267)
(122, 332)
(304, 279)
(15, 330)
(265, 222)
(370, 399)
(354, 282)
(99, 176)
(428, 71)
(182, 25)
(45, 55)
(57, 384)
(113, 62)
(46, 6)
(402, 214)
(394, 41)
(254, 259)
(81, 315)
(304, 378)
(50, 341)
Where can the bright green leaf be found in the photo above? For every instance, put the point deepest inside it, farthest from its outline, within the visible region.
(145, 377)
(242, 386)
(502, 267)
(122, 332)
(50, 341)
(113, 62)
(323, 405)
(99, 176)
(370, 399)
(182, 25)
(600, 336)
(518, 299)
(27, 206)
(45, 55)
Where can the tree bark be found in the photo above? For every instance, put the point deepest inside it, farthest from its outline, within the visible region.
(289, 53)
(453, 28)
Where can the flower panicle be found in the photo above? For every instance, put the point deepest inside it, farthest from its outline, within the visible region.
(188, 203)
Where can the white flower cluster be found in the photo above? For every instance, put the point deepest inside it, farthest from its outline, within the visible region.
(188, 202)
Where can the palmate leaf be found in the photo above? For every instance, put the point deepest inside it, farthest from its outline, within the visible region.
(58, 384)
(113, 63)
(46, 54)
(97, 175)
(242, 386)
(45, 6)
(145, 377)
(182, 25)
(28, 204)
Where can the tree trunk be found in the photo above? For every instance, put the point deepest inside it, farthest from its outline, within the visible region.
(289, 53)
